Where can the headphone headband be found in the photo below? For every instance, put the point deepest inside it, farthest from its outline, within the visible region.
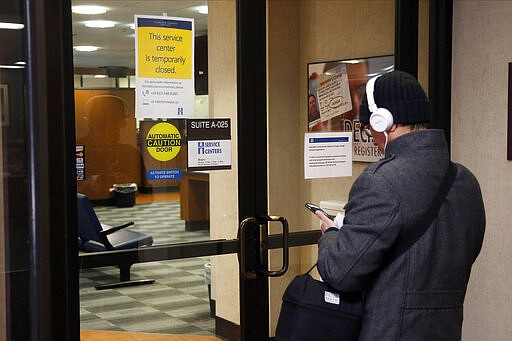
(381, 119)
(370, 86)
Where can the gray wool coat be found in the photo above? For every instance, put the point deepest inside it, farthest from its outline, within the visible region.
(420, 295)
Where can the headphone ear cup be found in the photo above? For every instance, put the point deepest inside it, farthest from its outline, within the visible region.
(381, 120)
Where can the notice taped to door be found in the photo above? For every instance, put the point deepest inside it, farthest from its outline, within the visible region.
(327, 155)
(209, 144)
(163, 141)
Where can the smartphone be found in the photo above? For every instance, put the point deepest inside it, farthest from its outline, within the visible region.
(313, 208)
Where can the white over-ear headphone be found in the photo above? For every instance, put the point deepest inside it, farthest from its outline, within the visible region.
(381, 119)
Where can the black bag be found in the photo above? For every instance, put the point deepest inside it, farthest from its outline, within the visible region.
(312, 310)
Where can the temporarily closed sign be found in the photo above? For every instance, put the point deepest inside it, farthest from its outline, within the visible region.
(164, 63)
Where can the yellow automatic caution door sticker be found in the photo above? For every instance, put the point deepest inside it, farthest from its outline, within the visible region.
(163, 141)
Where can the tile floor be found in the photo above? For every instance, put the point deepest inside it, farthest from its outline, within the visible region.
(177, 303)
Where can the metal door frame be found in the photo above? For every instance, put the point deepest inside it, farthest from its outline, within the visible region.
(52, 309)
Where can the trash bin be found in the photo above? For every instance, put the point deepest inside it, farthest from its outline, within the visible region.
(208, 282)
(124, 194)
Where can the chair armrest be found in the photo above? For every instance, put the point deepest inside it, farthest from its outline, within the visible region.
(113, 229)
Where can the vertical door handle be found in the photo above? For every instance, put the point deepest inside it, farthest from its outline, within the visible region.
(284, 267)
(262, 221)
(243, 231)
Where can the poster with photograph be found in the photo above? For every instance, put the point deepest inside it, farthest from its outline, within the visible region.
(335, 91)
(331, 95)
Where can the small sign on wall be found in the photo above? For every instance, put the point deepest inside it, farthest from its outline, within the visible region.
(327, 155)
(164, 174)
(209, 144)
(80, 162)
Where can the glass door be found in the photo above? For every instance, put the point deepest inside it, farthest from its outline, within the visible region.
(216, 260)
(168, 284)
(186, 281)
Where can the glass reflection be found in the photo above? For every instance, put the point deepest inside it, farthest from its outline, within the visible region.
(111, 153)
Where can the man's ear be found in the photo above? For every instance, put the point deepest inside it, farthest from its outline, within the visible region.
(393, 128)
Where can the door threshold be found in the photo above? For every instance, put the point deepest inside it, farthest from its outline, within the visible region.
(108, 335)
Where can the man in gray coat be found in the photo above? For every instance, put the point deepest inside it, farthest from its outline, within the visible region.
(419, 295)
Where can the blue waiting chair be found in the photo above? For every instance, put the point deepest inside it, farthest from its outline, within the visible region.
(94, 236)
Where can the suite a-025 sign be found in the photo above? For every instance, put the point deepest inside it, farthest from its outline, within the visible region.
(209, 144)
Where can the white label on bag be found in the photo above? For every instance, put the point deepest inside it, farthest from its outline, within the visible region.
(331, 297)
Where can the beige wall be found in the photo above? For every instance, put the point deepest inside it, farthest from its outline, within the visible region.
(223, 184)
(284, 167)
(482, 49)
(332, 30)
(306, 31)
(300, 32)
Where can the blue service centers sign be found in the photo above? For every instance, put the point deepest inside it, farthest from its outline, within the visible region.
(209, 144)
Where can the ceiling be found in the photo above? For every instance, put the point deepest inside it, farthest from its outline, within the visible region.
(117, 44)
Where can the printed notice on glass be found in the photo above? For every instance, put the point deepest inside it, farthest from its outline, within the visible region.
(164, 64)
(327, 155)
(209, 144)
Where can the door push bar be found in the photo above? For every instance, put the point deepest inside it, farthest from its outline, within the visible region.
(262, 222)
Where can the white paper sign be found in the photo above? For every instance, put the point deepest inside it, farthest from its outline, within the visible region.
(209, 154)
(327, 155)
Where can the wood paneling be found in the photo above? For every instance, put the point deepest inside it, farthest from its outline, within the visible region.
(195, 200)
(105, 126)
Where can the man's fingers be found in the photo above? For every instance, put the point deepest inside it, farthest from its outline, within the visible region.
(323, 217)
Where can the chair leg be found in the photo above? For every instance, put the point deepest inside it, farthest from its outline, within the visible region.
(124, 272)
(124, 277)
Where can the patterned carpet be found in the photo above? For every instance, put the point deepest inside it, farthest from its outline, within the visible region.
(177, 303)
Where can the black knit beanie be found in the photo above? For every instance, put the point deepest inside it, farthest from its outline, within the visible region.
(402, 95)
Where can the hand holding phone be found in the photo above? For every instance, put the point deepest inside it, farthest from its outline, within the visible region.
(313, 208)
